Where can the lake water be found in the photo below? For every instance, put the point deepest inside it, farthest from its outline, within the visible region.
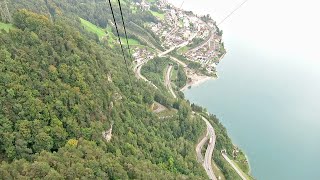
(268, 91)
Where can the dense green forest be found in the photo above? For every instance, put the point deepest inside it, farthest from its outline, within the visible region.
(61, 87)
(60, 91)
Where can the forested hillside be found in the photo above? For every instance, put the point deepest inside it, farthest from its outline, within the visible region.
(62, 87)
(61, 90)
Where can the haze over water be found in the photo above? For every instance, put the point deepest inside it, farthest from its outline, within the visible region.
(268, 91)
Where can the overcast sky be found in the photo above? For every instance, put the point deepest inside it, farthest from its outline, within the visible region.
(289, 26)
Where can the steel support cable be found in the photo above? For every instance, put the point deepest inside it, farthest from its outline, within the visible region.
(119, 39)
(124, 28)
(237, 8)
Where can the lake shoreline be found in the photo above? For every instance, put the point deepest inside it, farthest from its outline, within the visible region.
(200, 82)
(197, 80)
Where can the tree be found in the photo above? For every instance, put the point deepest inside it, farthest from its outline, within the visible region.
(42, 141)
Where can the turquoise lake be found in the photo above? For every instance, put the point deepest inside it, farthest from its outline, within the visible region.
(268, 91)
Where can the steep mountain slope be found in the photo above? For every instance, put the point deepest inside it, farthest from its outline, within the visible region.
(61, 90)
(62, 87)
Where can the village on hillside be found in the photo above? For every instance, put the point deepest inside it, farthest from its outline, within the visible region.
(196, 39)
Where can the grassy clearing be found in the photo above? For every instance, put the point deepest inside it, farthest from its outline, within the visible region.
(130, 41)
(158, 15)
(123, 2)
(93, 28)
(6, 26)
(168, 113)
(143, 35)
(183, 50)
(104, 32)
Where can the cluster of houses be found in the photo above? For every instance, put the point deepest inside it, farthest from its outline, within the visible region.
(207, 54)
(145, 5)
(181, 27)
(142, 55)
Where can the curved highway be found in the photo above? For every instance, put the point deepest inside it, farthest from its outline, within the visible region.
(207, 160)
(137, 72)
(167, 81)
(200, 146)
(184, 65)
(208, 155)
(137, 68)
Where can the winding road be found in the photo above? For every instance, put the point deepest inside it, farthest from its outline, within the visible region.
(137, 72)
(137, 67)
(200, 146)
(167, 81)
(207, 160)
(184, 65)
